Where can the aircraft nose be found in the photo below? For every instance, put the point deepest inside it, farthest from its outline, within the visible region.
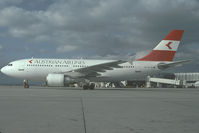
(3, 70)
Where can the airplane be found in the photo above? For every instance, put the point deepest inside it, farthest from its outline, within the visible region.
(62, 72)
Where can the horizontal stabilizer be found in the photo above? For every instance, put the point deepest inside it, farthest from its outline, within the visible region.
(163, 66)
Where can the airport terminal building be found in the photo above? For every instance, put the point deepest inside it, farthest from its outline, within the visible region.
(190, 78)
(167, 80)
(177, 80)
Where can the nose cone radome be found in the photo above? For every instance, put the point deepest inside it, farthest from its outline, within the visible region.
(3, 70)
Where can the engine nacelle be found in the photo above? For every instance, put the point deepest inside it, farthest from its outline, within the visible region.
(58, 80)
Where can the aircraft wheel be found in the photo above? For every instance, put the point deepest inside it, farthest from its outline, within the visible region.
(85, 87)
(92, 86)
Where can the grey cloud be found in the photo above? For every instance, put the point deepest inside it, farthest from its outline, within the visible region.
(65, 48)
(106, 27)
(5, 3)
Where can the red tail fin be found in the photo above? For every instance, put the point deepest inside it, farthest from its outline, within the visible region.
(166, 49)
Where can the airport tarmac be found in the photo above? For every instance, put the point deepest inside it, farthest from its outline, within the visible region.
(73, 110)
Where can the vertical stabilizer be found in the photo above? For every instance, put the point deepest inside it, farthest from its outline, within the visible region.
(166, 49)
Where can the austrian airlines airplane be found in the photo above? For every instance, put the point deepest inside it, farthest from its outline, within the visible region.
(62, 72)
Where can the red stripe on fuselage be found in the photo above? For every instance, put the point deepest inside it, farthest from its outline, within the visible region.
(159, 55)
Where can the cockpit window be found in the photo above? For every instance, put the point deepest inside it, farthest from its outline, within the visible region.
(9, 64)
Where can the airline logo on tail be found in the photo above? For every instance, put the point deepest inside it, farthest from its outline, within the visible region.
(166, 49)
(168, 45)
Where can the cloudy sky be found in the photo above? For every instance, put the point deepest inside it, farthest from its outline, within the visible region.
(111, 29)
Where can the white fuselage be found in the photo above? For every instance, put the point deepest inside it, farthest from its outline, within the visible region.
(38, 69)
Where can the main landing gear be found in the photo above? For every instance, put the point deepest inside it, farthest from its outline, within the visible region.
(25, 84)
(88, 86)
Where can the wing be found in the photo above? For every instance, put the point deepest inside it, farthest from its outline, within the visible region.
(94, 70)
(163, 66)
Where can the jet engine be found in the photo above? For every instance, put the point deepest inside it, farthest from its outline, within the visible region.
(58, 80)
